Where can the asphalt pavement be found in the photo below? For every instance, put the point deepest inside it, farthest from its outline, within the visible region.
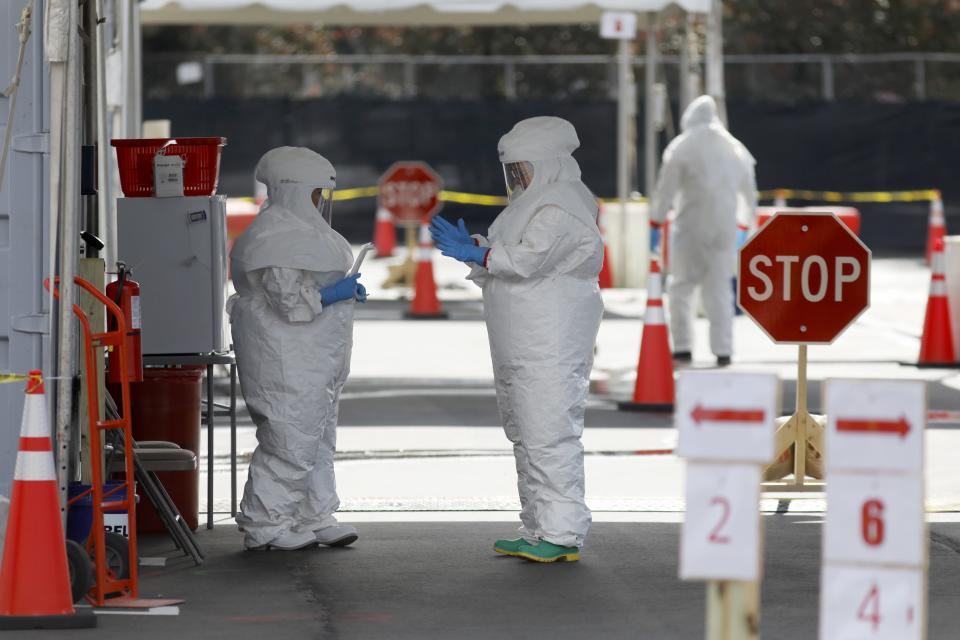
(426, 474)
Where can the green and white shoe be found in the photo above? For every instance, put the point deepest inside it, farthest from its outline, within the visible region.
(548, 552)
(509, 547)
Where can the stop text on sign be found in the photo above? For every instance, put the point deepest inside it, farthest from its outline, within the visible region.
(777, 276)
(413, 195)
(804, 277)
(410, 191)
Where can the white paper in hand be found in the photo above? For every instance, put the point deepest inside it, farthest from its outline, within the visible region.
(364, 250)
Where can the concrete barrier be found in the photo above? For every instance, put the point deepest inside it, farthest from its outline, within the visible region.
(628, 241)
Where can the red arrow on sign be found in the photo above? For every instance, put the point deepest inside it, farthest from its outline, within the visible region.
(700, 414)
(901, 426)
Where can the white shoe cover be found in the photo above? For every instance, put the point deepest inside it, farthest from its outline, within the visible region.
(289, 541)
(336, 535)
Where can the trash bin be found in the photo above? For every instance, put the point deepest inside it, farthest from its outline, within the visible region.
(80, 513)
(166, 406)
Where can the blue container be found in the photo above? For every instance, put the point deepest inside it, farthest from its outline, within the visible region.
(80, 514)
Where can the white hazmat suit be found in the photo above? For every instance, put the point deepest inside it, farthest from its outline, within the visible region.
(293, 352)
(707, 178)
(543, 307)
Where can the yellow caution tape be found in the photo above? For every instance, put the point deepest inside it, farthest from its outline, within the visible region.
(617, 200)
(355, 194)
(6, 378)
(920, 195)
(805, 195)
(473, 198)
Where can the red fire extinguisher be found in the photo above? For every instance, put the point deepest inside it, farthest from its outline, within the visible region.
(126, 293)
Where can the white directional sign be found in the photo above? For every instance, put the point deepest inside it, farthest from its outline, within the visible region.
(874, 518)
(866, 603)
(875, 536)
(727, 416)
(618, 25)
(721, 536)
(875, 425)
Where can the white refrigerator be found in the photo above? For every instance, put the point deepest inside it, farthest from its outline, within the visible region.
(176, 248)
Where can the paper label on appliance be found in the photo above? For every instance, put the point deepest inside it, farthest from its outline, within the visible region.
(167, 176)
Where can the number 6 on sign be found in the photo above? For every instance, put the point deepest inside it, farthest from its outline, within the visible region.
(721, 536)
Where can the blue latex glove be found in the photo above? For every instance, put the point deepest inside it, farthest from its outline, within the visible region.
(654, 239)
(462, 251)
(440, 229)
(361, 293)
(345, 289)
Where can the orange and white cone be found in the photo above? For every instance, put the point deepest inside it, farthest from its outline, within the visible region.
(936, 344)
(654, 387)
(606, 273)
(34, 578)
(937, 228)
(425, 304)
(384, 233)
(606, 270)
(780, 199)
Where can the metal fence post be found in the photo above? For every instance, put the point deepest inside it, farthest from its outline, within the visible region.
(410, 78)
(510, 80)
(826, 79)
(209, 86)
(920, 79)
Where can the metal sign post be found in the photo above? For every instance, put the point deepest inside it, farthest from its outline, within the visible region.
(410, 191)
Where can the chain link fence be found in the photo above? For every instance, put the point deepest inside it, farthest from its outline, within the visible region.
(763, 78)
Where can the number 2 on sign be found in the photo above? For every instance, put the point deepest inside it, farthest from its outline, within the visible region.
(716, 536)
(870, 608)
(871, 522)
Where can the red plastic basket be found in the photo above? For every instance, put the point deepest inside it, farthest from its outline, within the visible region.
(201, 163)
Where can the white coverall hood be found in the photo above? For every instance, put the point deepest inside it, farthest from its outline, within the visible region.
(542, 307)
(707, 178)
(547, 143)
(702, 111)
(289, 231)
(293, 349)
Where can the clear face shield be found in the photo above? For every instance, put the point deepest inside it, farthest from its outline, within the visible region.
(323, 201)
(517, 176)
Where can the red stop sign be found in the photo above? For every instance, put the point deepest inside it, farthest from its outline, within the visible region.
(804, 277)
(410, 191)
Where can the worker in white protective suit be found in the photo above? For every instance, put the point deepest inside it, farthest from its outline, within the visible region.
(292, 322)
(707, 178)
(538, 270)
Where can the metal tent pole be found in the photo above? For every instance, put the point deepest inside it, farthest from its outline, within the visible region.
(715, 84)
(650, 130)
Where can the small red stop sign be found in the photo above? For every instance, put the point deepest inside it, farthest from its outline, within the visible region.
(804, 277)
(411, 192)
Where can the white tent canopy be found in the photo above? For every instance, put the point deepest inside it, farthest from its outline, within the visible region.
(398, 12)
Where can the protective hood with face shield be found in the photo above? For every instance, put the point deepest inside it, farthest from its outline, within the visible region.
(292, 328)
(293, 228)
(542, 306)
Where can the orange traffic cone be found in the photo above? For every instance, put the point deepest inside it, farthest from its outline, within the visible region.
(606, 271)
(937, 227)
(425, 304)
(654, 387)
(780, 198)
(384, 233)
(936, 344)
(35, 580)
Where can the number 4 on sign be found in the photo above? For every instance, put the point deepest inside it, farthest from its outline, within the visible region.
(872, 603)
(870, 609)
